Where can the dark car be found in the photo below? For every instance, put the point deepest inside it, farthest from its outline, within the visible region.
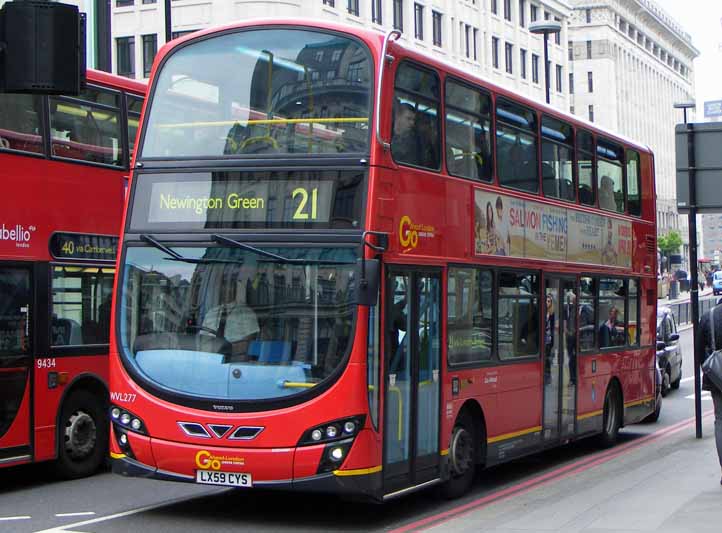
(669, 352)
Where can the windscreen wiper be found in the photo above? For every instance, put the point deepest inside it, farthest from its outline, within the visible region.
(258, 251)
(175, 256)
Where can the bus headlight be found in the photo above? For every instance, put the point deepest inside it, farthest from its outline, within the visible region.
(334, 455)
(125, 419)
(332, 431)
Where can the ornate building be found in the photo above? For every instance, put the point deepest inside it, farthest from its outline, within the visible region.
(630, 62)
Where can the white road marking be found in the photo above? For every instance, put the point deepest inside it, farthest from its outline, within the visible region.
(706, 396)
(66, 528)
(9, 518)
(83, 513)
(685, 380)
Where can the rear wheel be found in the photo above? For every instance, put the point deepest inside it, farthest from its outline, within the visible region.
(666, 376)
(462, 458)
(612, 419)
(82, 434)
(676, 383)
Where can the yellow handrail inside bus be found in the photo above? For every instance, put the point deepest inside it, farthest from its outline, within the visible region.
(297, 385)
(253, 122)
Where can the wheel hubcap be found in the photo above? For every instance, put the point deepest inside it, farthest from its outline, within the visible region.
(461, 452)
(611, 414)
(80, 435)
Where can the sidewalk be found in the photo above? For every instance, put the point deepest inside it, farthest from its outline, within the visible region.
(669, 485)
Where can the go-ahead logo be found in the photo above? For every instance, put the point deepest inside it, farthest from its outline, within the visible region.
(409, 233)
(207, 461)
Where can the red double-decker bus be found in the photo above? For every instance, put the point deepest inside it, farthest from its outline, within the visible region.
(347, 267)
(64, 175)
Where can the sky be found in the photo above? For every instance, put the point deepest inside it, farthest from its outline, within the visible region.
(702, 19)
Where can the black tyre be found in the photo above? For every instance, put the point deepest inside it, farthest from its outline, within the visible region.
(82, 435)
(651, 419)
(462, 458)
(666, 385)
(677, 382)
(612, 418)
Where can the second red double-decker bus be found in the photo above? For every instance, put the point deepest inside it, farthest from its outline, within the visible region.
(64, 174)
(347, 267)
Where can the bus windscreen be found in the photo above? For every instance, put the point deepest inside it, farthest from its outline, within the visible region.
(262, 92)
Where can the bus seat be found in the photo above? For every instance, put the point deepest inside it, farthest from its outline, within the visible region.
(270, 351)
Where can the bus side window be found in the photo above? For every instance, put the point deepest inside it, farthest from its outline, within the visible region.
(20, 123)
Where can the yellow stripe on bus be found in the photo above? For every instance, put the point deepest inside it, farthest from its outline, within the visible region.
(359, 472)
(117, 455)
(507, 436)
(444, 452)
(589, 415)
(251, 122)
(639, 402)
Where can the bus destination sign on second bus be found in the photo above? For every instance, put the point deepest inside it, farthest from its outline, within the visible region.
(82, 246)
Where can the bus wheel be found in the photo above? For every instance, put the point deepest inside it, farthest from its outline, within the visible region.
(83, 435)
(462, 457)
(611, 418)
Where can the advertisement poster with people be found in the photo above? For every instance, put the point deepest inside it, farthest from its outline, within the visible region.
(515, 227)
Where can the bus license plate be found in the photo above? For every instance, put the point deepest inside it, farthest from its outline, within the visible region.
(229, 479)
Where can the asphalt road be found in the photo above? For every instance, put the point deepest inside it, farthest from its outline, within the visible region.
(31, 501)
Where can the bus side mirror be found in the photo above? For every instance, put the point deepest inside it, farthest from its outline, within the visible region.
(368, 273)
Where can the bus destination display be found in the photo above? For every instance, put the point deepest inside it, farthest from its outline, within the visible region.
(224, 203)
(83, 246)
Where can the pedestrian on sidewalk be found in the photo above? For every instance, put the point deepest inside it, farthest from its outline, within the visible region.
(704, 345)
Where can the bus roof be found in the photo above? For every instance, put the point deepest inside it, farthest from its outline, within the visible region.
(374, 39)
(117, 82)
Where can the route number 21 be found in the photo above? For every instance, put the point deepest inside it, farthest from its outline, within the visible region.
(301, 213)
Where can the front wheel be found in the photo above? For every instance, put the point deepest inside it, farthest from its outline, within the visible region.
(83, 435)
(462, 458)
(666, 385)
(611, 418)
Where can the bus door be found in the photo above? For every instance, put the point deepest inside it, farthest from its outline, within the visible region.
(560, 357)
(15, 363)
(412, 380)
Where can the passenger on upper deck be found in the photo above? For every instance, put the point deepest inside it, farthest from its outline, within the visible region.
(606, 194)
(403, 142)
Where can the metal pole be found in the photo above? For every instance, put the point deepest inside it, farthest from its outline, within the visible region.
(546, 63)
(694, 296)
(168, 23)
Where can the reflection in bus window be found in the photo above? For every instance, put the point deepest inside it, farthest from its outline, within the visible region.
(612, 329)
(135, 105)
(585, 167)
(20, 123)
(81, 303)
(415, 138)
(633, 311)
(468, 132)
(557, 159)
(634, 198)
(470, 322)
(261, 92)
(84, 131)
(516, 146)
(518, 315)
(587, 320)
(609, 176)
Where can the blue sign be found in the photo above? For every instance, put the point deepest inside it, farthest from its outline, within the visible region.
(713, 109)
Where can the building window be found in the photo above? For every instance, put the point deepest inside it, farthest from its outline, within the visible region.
(352, 7)
(124, 3)
(495, 52)
(560, 87)
(508, 59)
(591, 113)
(571, 50)
(522, 63)
(589, 49)
(571, 109)
(176, 34)
(419, 21)
(589, 15)
(558, 35)
(399, 15)
(571, 83)
(149, 1)
(535, 68)
(590, 82)
(436, 23)
(522, 13)
(467, 42)
(331, 3)
(126, 56)
(150, 47)
(476, 36)
(376, 12)
(534, 13)
(494, 7)
(507, 10)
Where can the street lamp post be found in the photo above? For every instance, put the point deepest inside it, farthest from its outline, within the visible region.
(545, 27)
(693, 294)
